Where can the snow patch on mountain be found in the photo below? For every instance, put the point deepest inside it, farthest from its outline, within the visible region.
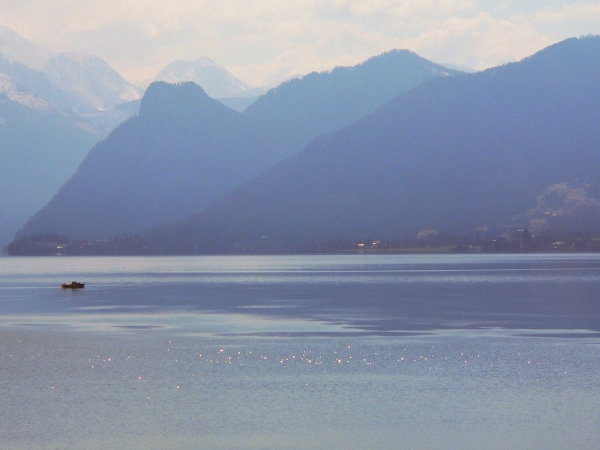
(91, 79)
(25, 98)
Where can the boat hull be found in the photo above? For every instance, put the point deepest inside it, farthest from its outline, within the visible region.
(73, 285)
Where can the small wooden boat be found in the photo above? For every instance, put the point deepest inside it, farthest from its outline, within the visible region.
(73, 285)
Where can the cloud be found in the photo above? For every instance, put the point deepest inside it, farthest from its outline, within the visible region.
(479, 42)
(577, 12)
(266, 41)
(395, 8)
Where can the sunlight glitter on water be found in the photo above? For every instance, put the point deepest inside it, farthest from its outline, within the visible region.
(301, 352)
(243, 387)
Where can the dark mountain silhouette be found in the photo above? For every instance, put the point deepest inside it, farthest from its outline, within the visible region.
(452, 154)
(185, 150)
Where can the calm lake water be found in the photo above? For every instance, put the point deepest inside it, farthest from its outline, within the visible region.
(301, 352)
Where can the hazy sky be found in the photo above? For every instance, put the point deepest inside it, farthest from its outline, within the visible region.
(266, 41)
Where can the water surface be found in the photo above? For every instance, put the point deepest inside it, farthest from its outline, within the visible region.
(301, 352)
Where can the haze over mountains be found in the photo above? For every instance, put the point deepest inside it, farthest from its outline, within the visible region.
(214, 79)
(55, 107)
(40, 147)
(453, 154)
(16, 48)
(185, 150)
(389, 149)
(84, 83)
(37, 83)
(49, 119)
(90, 79)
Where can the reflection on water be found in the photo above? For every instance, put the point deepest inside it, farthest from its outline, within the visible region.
(352, 352)
(386, 293)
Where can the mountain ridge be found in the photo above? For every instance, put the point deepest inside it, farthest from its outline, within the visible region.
(214, 79)
(276, 126)
(16, 48)
(453, 154)
(90, 79)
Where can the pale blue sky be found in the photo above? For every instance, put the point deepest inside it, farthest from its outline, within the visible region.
(267, 41)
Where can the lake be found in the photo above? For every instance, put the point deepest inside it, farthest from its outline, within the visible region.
(301, 352)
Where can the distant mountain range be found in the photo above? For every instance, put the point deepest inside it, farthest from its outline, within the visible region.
(37, 83)
(16, 48)
(90, 79)
(75, 99)
(214, 79)
(238, 104)
(48, 130)
(49, 119)
(84, 83)
(185, 150)
(453, 155)
(391, 149)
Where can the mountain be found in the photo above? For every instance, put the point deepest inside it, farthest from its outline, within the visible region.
(459, 68)
(82, 84)
(238, 104)
(571, 206)
(214, 79)
(40, 148)
(107, 120)
(43, 140)
(301, 109)
(451, 155)
(149, 168)
(185, 149)
(37, 83)
(16, 48)
(45, 129)
(90, 79)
